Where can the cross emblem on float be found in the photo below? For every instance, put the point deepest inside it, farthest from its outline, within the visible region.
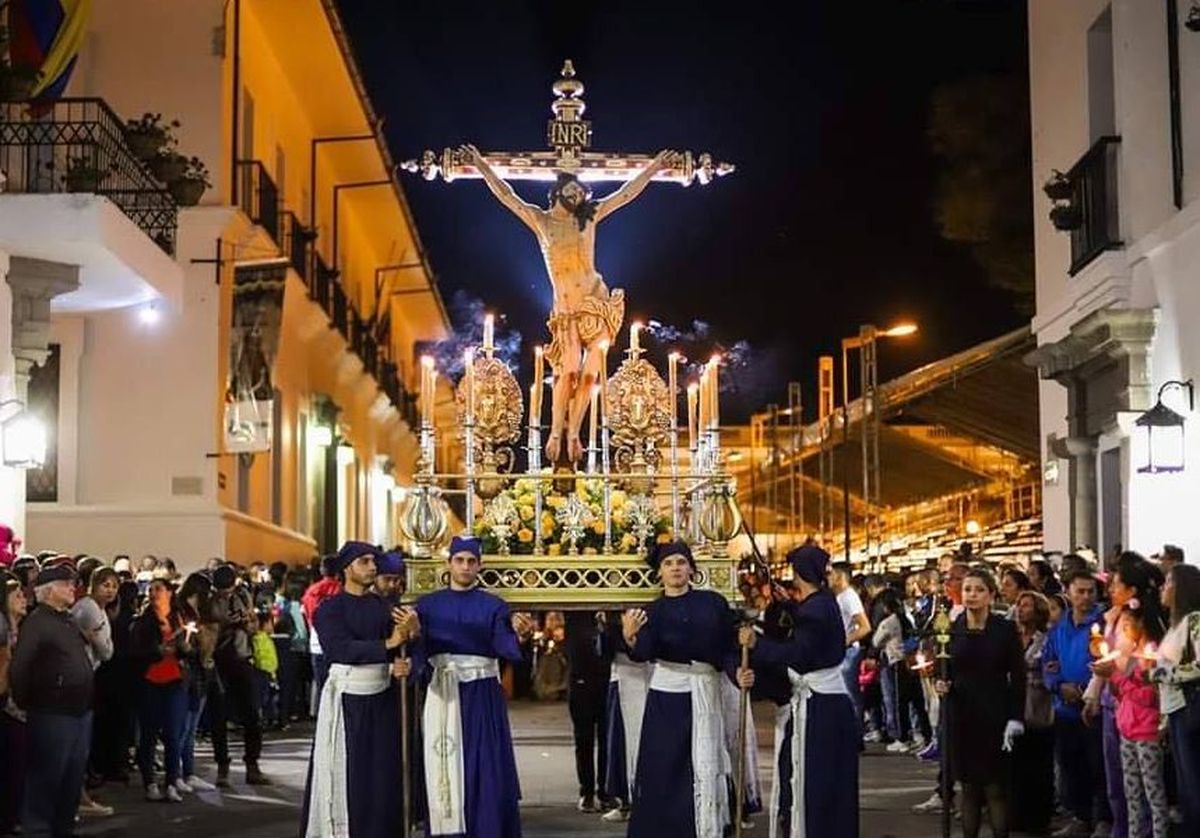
(569, 136)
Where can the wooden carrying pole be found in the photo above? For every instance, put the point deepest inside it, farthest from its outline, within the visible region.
(405, 762)
(743, 706)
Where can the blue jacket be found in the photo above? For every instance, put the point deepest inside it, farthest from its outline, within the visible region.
(1067, 645)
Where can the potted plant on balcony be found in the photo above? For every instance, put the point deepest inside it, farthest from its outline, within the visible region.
(1058, 187)
(1066, 216)
(83, 174)
(167, 166)
(189, 187)
(148, 136)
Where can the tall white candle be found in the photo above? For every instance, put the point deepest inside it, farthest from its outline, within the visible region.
(673, 384)
(469, 378)
(693, 394)
(715, 385)
(489, 334)
(634, 343)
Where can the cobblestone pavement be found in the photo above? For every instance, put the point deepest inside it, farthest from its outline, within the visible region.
(889, 785)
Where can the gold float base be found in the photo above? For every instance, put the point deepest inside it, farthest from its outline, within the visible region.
(570, 582)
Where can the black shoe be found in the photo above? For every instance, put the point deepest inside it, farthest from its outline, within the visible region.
(223, 775)
(254, 777)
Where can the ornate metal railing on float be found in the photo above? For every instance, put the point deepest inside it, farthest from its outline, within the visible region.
(555, 537)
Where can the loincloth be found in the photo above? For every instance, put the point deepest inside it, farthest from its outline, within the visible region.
(596, 318)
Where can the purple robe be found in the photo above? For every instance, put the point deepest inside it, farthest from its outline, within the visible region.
(475, 622)
(353, 630)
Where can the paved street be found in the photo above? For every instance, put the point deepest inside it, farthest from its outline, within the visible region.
(890, 785)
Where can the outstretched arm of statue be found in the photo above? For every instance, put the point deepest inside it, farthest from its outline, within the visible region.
(499, 187)
(631, 189)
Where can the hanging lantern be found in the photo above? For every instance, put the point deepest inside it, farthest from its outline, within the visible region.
(1163, 431)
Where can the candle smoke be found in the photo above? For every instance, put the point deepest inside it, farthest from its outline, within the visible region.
(466, 317)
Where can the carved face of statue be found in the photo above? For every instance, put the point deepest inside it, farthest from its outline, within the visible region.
(574, 197)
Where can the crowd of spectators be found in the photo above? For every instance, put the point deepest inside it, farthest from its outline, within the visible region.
(1069, 703)
(111, 671)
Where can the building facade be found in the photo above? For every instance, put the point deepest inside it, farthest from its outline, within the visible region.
(1115, 92)
(229, 378)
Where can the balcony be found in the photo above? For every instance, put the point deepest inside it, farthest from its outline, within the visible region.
(78, 145)
(74, 193)
(297, 241)
(258, 196)
(1095, 224)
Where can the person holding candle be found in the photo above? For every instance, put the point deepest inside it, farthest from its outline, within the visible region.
(1066, 671)
(159, 640)
(984, 700)
(1132, 581)
(1139, 628)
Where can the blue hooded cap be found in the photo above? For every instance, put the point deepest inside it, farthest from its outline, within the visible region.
(390, 563)
(678, 547)
(352, 550)
(809, 563)
(466, 544)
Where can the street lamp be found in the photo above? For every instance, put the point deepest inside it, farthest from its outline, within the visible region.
(865, 342)
(1164, 432)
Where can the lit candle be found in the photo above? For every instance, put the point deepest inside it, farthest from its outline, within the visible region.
(634, 344)
(535, 397)
(535, 407)
(693, 392)
(705, 401)
(426, 387)
(673, 383)
(489, 334)
(469, 378)
(714, 411)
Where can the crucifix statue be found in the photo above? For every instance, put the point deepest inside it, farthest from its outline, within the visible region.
(586, 313)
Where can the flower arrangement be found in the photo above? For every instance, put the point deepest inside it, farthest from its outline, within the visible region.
(591, 493)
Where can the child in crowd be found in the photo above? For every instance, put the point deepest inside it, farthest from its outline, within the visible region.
(266, 665)
(1138, 720)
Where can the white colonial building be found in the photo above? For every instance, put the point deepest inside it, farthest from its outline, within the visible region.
(1115, 93)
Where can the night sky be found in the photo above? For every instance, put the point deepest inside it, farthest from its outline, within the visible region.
(828, 221)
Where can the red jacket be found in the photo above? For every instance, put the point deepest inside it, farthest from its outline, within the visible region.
(317, 593)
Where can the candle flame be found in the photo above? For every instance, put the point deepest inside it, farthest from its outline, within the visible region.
(673, 356)
(1095, 628)
(537, 350)
(603, 346)
(693, 387)
(427, 361)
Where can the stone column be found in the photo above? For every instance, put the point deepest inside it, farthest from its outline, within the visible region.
(1082, 451)
(34, 283)
(24, 340)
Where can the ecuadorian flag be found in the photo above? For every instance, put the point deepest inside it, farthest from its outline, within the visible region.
(47, 34)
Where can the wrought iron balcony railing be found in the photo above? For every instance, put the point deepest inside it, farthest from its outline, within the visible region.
(325, 289)
(297, 241)
(258, 196)
(1094, 197)
(78, 145)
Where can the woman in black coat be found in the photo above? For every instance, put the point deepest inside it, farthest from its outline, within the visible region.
(985, 704)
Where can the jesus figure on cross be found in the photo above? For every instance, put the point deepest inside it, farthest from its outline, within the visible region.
(585, 313)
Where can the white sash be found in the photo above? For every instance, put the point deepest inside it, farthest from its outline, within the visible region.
(328, 810)
(442, 720)
(710, 760)
(827, 682)
(632, 682)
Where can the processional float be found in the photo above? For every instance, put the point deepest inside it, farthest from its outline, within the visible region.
(569, 533)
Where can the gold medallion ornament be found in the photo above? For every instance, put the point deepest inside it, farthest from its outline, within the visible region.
(639, 417)
(489, 397)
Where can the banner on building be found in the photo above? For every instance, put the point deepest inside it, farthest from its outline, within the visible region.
(253, 345)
